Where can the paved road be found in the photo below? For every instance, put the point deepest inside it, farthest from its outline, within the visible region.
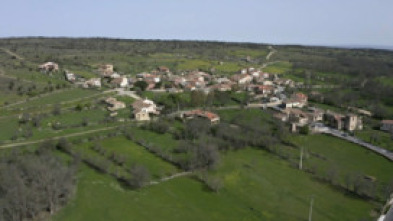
(387, 154)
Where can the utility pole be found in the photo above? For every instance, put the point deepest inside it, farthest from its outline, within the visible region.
(310, 211)
(301, 159)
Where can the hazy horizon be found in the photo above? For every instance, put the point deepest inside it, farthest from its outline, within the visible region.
(306, 22)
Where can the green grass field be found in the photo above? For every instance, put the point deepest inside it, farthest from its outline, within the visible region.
(58, 97)
(256, 186)
(376, 137)
(345, 157)
(136, 154)
(228, 68)
(165, 141)
(8, 126)
(194, 64)
(278, 68)
(93, 116)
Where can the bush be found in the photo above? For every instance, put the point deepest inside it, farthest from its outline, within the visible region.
(140, 176)
(305, 130)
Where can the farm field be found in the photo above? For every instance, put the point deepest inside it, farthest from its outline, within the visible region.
(250, 179)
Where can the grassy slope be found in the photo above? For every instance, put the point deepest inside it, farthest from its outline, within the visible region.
(257, 186)
(384, 139)
(137, 154)
(345, 156)
(8, 126)
(59, 97)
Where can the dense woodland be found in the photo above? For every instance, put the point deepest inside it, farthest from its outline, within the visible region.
(35, 184)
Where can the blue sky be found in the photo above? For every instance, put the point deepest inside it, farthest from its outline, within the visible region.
(310, 22)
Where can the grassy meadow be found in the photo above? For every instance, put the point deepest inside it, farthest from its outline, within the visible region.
(256, 186)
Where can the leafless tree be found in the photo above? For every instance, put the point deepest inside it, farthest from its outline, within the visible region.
(140, 176)
(30, 184)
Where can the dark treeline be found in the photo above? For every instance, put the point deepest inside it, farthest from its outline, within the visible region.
(359, 73)
(32, 185)
(141, 47)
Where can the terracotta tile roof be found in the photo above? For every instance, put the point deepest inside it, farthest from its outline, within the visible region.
(206, 114)
(387, 122)
(117, 80)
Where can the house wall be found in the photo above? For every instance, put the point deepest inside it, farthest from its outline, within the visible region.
(387, 127)
(142, 116)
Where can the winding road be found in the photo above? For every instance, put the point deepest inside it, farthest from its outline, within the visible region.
(339, 134)
(272, 51)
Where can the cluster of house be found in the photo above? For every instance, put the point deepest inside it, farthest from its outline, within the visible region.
(293, 112)
(142, 109)
(250, 79)
(106, 71)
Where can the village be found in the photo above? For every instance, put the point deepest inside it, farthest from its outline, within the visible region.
(267, 90)
(198, 125)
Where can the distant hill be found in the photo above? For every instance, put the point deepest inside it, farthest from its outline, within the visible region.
(381, 47)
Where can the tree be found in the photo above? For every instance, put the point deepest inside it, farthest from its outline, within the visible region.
(198, 155)
(214, 184)
(79, 107)
(195, 128)
(56, 110)
(142, 85)
(36, 120)
(30, 184)
(198, 98)
(305, 130)
(24, 118)
(46, 146)
(64, 145)
(11, 85)
(207, 155)
(85, 122)
(140, 176)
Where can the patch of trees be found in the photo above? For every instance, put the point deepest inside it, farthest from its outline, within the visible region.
(31, 184)
(140, 176)
(142, 85)
(111, 163)
(160, 126)
(197, 155)
(357, 72)
(355, 183)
